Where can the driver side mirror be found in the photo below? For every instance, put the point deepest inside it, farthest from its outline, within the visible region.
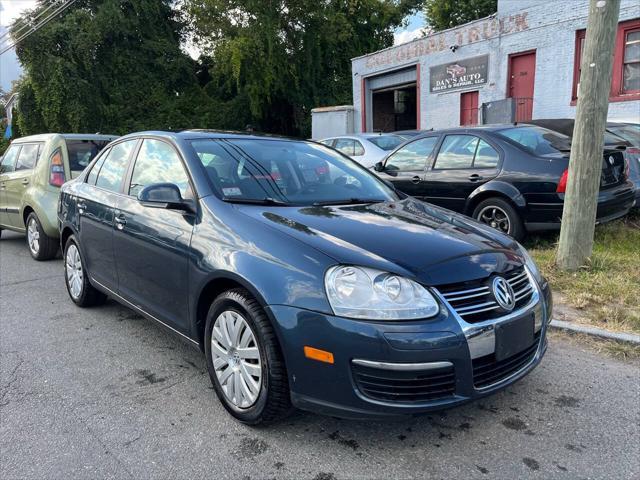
(379, 167)
(164, 195)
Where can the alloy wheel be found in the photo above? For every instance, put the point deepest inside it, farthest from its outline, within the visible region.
(236, 359)
(73, 266)
(495, 217)
(33, 236)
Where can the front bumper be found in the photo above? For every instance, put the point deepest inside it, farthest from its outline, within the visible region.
(334, 389)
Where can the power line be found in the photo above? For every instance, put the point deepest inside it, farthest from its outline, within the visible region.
(16, 31)
(37, 27)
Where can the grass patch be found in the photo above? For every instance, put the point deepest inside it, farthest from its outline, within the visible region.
(606, 291)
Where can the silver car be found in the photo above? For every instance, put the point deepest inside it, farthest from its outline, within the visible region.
(365, 148)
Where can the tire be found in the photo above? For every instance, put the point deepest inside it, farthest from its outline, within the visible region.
(41, 246)
(263, 398)
(81, 292)
(500, 214)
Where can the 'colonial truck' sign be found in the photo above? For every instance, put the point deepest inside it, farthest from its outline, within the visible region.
(459, 74)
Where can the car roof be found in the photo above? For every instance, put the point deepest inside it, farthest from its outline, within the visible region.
(204, 134)
(365, 135)
(43, 137)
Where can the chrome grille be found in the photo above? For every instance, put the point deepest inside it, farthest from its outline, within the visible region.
(474, 301)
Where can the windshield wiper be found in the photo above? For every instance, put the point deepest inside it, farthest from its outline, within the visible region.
(255, 201)
(347, 201)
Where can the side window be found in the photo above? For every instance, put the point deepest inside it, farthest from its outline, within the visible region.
(9, 160)
(328, 142)
(28, 156)
(413, 156)
(158, 162)
(486, 156)
(114, 166)
(457, 151)
(346, 146)
(93, 174)
(359, 149)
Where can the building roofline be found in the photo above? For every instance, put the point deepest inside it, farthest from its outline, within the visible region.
(433, 34)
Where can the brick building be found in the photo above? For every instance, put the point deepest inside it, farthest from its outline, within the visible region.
(518, 64)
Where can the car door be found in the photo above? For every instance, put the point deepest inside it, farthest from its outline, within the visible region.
(152, 244)
(406, 166)
(17, 182)
(462, 164)
(7, 167)
(96, 203)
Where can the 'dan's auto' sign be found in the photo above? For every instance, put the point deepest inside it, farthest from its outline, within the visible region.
(459, 74)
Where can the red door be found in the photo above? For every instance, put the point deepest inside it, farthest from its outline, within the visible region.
(522, 73)
(468, 108)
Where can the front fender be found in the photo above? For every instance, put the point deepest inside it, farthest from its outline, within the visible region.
(498, 187)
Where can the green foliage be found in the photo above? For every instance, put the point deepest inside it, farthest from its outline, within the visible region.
(115, 66)
(443, 14)
(271, 61)
(111, 66)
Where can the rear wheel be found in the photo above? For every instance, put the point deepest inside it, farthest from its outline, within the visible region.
(80, 290)
(500, 214)
(41, 246)
(244, 359)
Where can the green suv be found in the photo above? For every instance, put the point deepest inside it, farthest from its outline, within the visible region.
(32, 171)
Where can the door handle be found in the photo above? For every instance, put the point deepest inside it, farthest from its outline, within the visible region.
(416, 179)
(25, 181)
(475, 177)
(120, 221)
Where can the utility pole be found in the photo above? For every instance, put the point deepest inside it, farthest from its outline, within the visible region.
(585, 163)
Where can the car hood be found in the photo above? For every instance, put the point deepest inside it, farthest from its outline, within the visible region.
(408, 237)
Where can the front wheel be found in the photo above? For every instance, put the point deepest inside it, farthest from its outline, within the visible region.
(41, 246)
(500, 214)
(80, 290)
(244, 359)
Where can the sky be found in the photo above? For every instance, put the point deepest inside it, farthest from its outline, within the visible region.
(11, 9)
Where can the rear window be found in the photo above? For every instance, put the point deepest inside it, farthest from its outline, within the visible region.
(81, 152)
(537, 140)
(386, 142)
(631, 133)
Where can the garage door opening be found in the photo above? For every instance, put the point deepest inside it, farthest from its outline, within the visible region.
(395, 108)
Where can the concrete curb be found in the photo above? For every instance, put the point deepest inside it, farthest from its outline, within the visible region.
(596, 332)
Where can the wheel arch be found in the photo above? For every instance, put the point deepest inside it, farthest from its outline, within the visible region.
(499, 189)
(213, 286)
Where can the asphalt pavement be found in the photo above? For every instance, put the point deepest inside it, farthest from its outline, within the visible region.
(104, 393)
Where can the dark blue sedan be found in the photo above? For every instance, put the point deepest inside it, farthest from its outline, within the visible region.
(306, 280)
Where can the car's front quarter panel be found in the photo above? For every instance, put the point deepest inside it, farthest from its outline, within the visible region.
(279, 269)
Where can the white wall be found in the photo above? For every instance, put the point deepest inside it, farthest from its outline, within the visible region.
(548, 26)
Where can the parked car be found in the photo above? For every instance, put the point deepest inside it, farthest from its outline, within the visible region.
(324, 290)
(510, 177)
(409, 134)
(617, 135)
(32, 171)
(365, 148)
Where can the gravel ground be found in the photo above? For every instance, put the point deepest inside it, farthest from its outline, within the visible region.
(105, 393)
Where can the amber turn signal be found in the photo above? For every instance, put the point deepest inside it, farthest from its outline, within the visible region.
(319, 355)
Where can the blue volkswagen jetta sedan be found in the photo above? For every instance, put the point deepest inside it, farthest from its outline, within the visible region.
(306, 281)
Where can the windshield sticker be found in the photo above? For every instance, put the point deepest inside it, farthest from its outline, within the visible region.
(231, 191)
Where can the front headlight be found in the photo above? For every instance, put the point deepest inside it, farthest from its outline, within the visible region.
(359, 292)
(529, 262)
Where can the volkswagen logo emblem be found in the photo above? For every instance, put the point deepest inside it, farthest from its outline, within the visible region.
(612, 160)
(503, 293)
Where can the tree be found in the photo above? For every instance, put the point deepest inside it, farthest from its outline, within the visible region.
(585, 162)
(443, 14)
(270, 61)
(112, 66)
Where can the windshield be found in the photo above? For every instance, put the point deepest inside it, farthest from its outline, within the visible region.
(386, 142)
(537, 140)
(286, 172)
(631, 133)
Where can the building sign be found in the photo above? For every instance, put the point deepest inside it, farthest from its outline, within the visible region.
(484, 29)
(459, 74)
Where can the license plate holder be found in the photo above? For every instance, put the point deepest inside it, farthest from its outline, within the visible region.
(514, 336)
